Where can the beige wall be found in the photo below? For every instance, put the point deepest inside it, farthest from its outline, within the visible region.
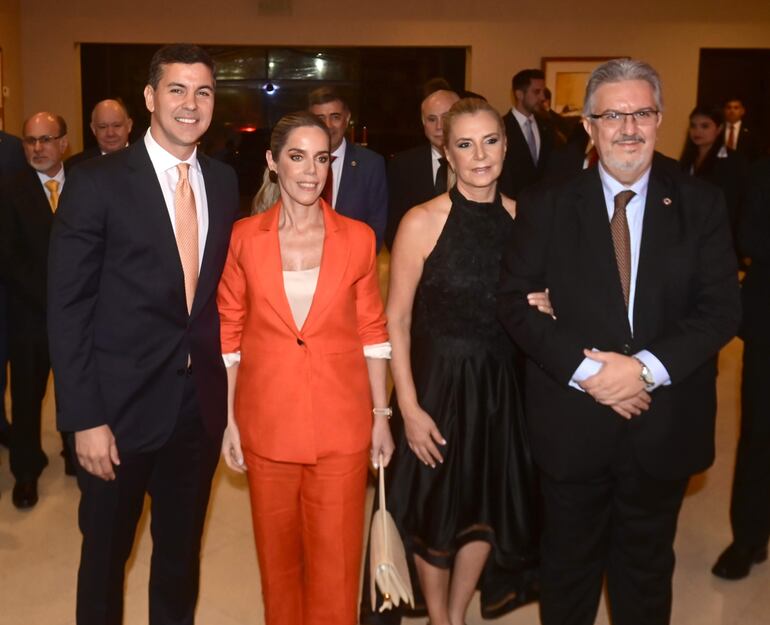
(10, 44)
(504, 36)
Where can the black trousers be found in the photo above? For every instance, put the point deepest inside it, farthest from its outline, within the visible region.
(30, 366)
(620, 524)
(750, 505)
(178, 479)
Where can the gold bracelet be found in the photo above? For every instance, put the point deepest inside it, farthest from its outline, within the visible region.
(383, 412)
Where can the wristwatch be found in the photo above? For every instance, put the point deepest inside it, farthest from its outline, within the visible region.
(645, 375)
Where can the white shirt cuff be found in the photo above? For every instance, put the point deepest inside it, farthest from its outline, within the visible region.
(231, 359)
(585, 370)
(659, 373)
(378, 350)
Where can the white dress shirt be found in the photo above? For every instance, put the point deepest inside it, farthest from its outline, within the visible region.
(522, 120)
(737, 132)
(336, 170)
(435, 155)
(635, 218)
(165, 165)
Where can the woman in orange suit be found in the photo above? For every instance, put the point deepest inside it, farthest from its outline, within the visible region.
(303, 334)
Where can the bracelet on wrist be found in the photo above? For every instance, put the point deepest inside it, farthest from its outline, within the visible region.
(383, 412)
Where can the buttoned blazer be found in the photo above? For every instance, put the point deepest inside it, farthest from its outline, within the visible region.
(363, 190)
(519, 172)
(686, 308)
(119, 330)
(410, 182)
(302, 393)
(25, 228)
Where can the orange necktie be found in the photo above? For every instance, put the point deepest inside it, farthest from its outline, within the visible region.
(186, 232)
(53, 197)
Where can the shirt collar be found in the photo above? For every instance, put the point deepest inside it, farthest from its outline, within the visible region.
(435, 153)
(162, 159)
(339, 153)
(520, 117)
(59, 177)
(612, 186)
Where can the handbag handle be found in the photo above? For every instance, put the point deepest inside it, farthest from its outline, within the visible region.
(382, 483)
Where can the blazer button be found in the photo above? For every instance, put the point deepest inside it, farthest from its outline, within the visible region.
(626, 349)
(300, 342)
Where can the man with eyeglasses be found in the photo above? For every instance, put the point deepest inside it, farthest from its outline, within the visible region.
(111, 126)
(621, 392)
(27, 205)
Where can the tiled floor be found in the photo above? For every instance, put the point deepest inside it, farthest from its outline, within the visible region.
(39, 548)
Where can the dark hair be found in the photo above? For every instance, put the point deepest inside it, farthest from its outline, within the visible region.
(186, 53)
(522, 80)
(269, 192)
(324, 95)
(435, 84)
(690, 151)
(734, 98)
(547, 93)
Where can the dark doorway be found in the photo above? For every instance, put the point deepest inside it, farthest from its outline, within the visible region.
(257, 85)
(738, 73)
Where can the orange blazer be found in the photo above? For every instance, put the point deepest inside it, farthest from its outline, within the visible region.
(302, 393)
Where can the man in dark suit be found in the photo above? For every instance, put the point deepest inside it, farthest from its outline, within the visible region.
(111, 125)
(12, 161)
(738, 136)
(417, 175)
(530, 141)
(27, 202)
(621, 394)
(137, 249)
(356, 186)
(750, 505)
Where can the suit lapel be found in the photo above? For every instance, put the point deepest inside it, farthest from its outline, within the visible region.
(592, 212)
(150, 206)
(334, 260)
(209, 278)
(659, 209)
(347, 182)
(425, 172)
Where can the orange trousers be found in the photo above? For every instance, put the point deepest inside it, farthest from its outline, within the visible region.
(308, 528)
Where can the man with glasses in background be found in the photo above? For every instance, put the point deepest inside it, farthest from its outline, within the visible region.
(621, 382)
(27, 204)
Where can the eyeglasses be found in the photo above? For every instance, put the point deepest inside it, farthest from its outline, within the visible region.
(44, 140)
(643, 117)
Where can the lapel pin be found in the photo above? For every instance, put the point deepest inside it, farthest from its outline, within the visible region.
(353, 163)
(666, 201)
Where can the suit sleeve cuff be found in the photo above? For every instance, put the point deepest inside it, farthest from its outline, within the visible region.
(659, 372)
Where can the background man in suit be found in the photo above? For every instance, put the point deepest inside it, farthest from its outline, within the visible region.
(137, 250)
(111, 125)
(530, 141)
(12, 161)
(356, 186)
(738, 136)
(27, 203)
(417, 175)
(750, 505)
(641, 270)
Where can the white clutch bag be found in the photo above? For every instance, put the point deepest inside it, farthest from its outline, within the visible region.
(387, 558)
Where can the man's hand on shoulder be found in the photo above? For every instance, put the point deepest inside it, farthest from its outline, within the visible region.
(617, 381)
(97, 451)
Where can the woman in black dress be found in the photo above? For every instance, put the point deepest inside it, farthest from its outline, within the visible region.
(461, 482)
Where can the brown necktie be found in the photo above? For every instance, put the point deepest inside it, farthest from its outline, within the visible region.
(731, 137)
(186, 232)
(621, 239)
(326, 194)
(53, 196)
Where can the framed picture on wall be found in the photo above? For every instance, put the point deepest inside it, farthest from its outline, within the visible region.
(566, 77)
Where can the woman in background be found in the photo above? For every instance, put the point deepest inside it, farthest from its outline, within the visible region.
(303, 333)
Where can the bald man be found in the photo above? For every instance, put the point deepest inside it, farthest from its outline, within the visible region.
(417, 175)
(27, 203)
(111, 125)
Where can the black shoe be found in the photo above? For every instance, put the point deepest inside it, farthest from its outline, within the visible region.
(25, 494)
(736, 561)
